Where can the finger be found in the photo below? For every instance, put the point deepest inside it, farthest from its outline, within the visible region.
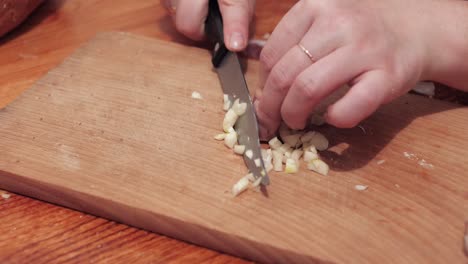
(287, 34)
(236, 15)
(286, 70)
(190, 18)
(171, 7)
(364, 97)
(317, 82)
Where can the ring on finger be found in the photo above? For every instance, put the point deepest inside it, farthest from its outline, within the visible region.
(306, 52)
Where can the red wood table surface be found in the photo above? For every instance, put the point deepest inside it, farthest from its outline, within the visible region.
(32, 231)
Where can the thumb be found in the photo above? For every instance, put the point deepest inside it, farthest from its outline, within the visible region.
(237, 15)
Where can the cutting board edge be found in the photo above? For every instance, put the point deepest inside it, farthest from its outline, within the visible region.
(143, 219)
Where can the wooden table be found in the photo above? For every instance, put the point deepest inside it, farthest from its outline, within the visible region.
(32, 231)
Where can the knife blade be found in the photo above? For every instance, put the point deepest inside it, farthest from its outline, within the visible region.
(233, 83)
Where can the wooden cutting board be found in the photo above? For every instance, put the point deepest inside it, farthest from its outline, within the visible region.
(113, 131)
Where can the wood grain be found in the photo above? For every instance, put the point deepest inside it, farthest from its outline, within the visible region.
(27, 53)
(114, 132)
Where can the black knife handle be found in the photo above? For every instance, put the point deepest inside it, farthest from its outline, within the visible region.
(214, 32)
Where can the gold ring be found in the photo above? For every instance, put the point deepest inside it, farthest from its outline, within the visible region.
(306, 52)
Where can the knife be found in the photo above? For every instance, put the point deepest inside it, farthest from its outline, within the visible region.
(233, 83)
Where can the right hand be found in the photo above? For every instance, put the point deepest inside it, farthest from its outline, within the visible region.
(189, 17)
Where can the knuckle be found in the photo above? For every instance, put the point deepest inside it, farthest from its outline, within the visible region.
(267, 58)
(280, 78)
(305, 86)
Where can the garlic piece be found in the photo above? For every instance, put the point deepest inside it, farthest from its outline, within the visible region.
(310, 155)
(277, 160)
(292, 140)
(285, 148)
(360, 187)
(241, 185)
(196, 95)
(319, 141)
(319, 166)
(239, 108)
(230, 140)
(286, 156)
(239, 149)
(275, 143)
(307, 137)
(257, 182)
(249, 153)
(297, 154)
(220, 136)
(227, 102)
(230, 120)
(257, 162)
(291, 166)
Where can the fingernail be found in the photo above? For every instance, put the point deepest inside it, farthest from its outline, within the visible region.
(236, 41)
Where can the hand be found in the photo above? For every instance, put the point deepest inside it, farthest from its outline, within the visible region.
(380, 48)
(190, 15)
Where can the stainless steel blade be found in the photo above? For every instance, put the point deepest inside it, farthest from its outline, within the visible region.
(233, 83)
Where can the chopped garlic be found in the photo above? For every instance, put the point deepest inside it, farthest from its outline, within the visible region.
(319, 141)
(310, 155)
(239, 149)
(286, 156)
(297, 154)
(230, 120)
(250, 176)
(285, 148)
(230, 140)
(360, 187)
(239, 108)
(257, 182)
(227, 102)
(196, 95)
(240, 186)
(249, 153)
(307, 137)
(220, 136)
(257, 162)
(277, 160)
(319, 166)
(292, 166)
(292, 140)
(266, 155)
(6, 195)
(275, 143)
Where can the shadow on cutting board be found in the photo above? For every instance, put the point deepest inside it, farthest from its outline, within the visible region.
(354, 148)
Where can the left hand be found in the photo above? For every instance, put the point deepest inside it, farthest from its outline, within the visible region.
(379, 48)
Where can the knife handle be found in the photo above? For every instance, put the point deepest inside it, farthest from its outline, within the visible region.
(215, 33)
